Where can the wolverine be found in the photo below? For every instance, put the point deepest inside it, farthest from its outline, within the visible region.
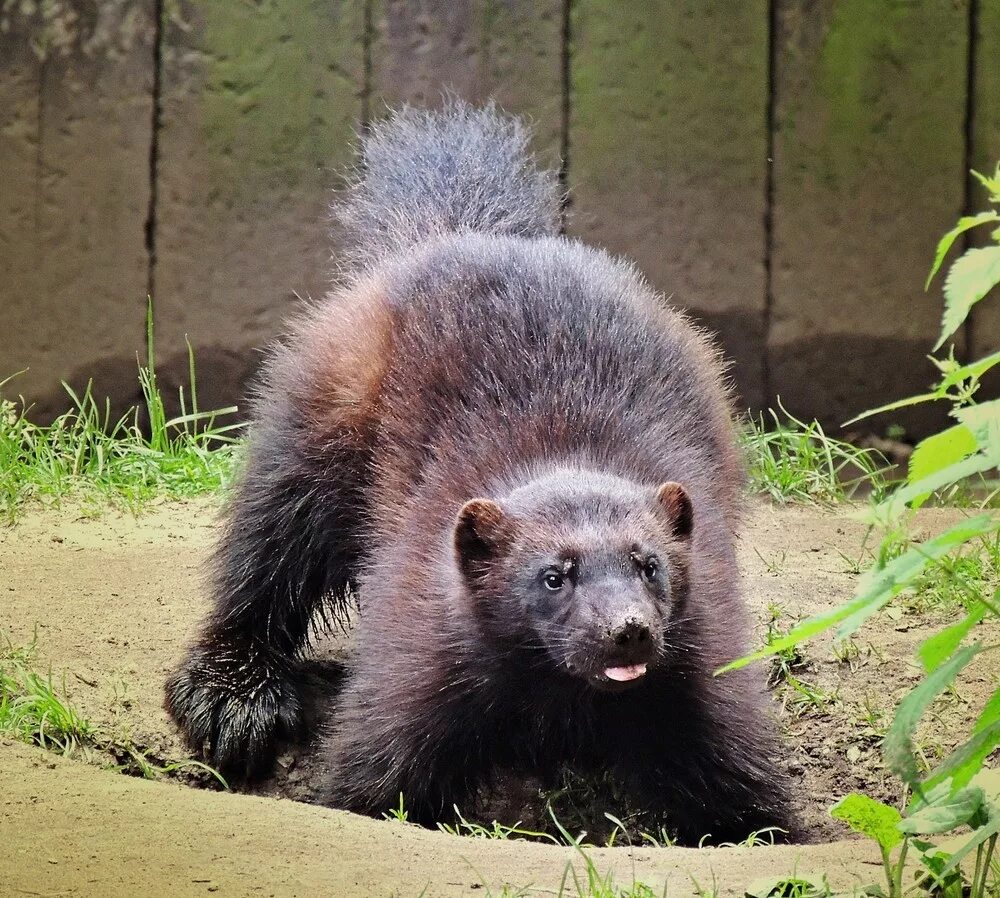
(522, 465)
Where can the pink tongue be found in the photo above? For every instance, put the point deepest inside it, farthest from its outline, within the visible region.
(624, 674)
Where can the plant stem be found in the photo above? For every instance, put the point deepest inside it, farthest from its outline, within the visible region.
(896, 880)
(887, 866)
(984, 854)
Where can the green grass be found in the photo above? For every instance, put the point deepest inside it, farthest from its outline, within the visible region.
(32, 710)
(591, 884)
(798, 696)
(587, 882)
(35, 709)
(86, 456)
(961, 579)
(494, 831)
(792, 461)
(786, 662)
(97, 460)
(948, 583)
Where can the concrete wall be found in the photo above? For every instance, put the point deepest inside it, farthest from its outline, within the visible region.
(780, 168)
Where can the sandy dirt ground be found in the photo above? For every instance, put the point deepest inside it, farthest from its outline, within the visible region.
(112, 602)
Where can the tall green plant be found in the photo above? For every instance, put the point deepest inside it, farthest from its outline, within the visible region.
(950, 795)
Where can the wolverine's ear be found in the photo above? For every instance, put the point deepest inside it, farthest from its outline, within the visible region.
(482, 531)
(674, 505)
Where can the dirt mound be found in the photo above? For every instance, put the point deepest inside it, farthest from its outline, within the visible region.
(71, 829)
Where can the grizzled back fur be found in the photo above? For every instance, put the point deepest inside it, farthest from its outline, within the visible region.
(422, 174)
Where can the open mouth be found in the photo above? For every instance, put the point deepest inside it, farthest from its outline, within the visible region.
(625, 674)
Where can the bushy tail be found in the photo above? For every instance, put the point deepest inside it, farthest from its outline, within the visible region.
(422, 174)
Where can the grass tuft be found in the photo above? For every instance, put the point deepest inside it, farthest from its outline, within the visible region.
(86, 455)
(31, 709)
(494, 831)
(792, 461)
(954, 581)
(591, 883)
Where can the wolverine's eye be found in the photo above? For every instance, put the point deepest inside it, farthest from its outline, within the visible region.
(650, 570)
(554, 581)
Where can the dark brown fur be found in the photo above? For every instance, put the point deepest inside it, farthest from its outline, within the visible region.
(547, 381)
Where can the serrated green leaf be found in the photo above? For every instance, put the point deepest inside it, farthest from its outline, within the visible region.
(930, 796)
(940, 450)
(983, 420)
(897, 502)
(871, 818)
(967, 760)
(945, 815)
(964, 224)
(989, 715)
(937, 648)
(875, 588)
(955, 375)
(955, 849)
(970, 278)
(992, 184)
(902, 571)
(897, 747)
(980, 835)
(936, 452)
(931, 856)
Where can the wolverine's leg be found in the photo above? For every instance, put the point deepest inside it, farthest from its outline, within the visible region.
(293, 538)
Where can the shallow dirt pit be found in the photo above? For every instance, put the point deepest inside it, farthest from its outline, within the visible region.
(113, 602)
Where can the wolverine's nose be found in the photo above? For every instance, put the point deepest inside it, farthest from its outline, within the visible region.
(630, 634)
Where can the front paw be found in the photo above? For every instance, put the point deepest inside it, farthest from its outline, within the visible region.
(234, 701)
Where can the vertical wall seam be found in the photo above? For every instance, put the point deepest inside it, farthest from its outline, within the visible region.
(566, 86)
(969, 158)
(367, 39)
(769, 123)
(154, 150)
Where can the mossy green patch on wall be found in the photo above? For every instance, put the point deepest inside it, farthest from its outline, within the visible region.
(276, 73)
(861, 82)
(668, 154)
(678, 88)
(869, 144)
(259, 104)
(76, 119)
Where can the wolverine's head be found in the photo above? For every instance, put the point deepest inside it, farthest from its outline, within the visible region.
(589, 568)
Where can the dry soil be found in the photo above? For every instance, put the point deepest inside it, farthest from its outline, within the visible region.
(113, 601)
